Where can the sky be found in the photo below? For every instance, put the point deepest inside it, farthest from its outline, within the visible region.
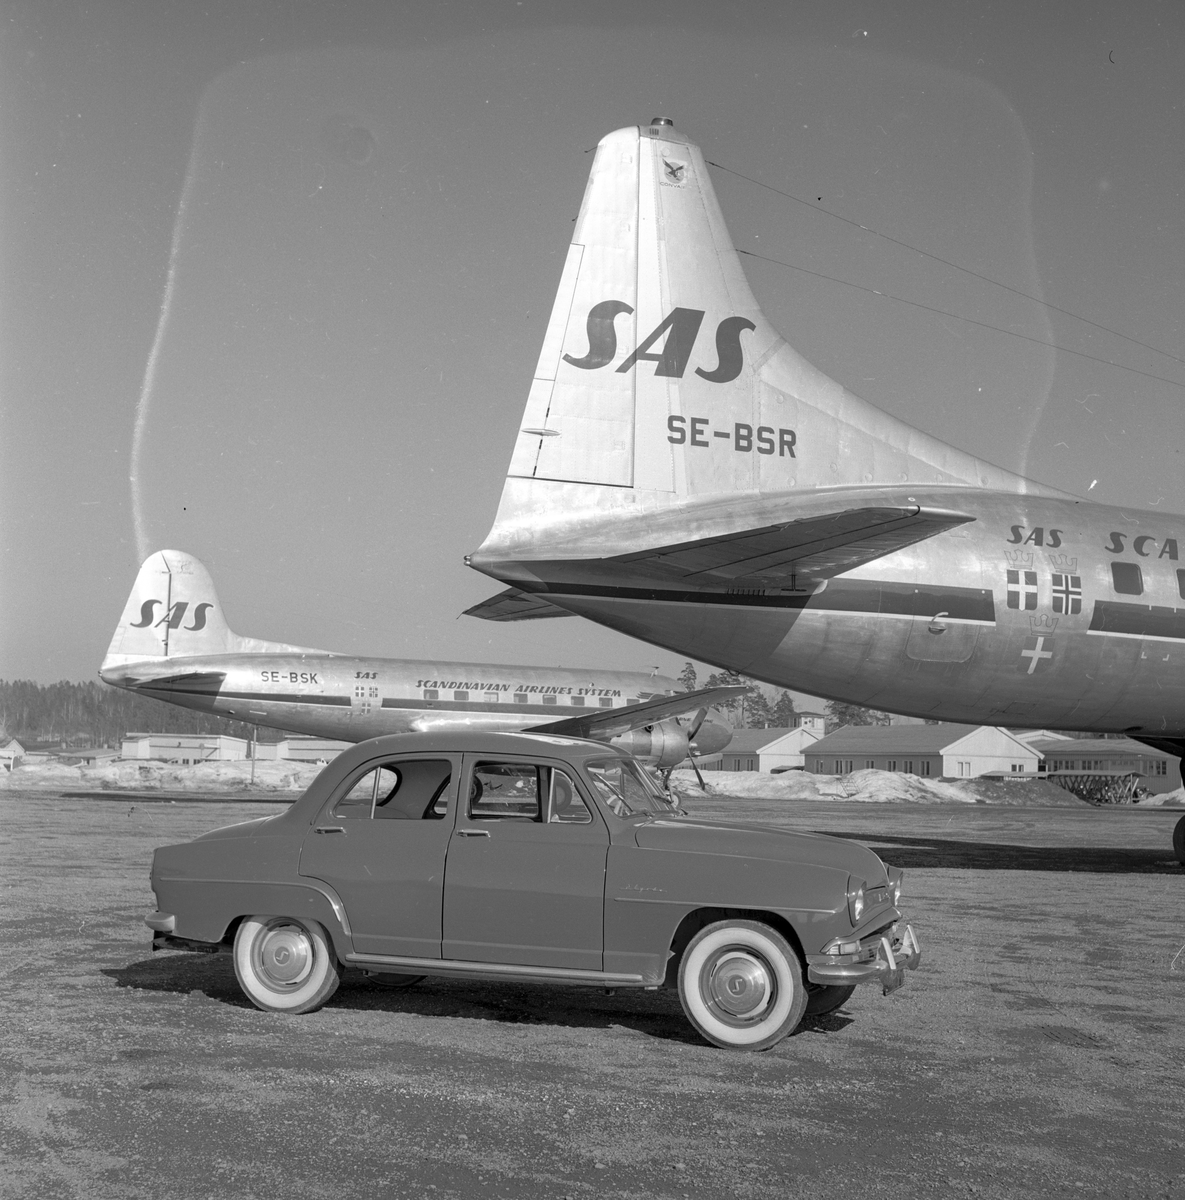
(274, 276)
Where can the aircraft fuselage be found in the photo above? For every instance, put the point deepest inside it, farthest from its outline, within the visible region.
(1036, 612)
(350, 699)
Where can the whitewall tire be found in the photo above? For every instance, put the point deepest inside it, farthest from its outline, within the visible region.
(285, 965)
(741, 985)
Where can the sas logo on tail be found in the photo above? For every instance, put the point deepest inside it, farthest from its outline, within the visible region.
(173, 617)
(678, 331)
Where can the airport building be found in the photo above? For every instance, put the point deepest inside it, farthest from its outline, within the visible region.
(950, 750)
(762, 750)
(11, 755)
(301, 749)
(1161, 771)
(184, 749)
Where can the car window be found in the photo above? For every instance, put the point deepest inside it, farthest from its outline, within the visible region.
(564, 804)
(404, 790)
(626, 788)
(502, 790)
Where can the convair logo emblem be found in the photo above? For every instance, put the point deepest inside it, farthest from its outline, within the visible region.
(674, 337)
(673, 172)
(173, 617)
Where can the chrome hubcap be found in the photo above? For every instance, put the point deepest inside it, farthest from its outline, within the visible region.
(284, 956)
(738, 986)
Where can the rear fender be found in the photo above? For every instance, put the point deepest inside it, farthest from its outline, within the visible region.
(210, 910)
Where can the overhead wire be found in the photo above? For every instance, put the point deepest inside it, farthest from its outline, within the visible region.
(970, 320)
(965, 270)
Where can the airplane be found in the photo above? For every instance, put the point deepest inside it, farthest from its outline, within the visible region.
(172, 643)
(682, 475)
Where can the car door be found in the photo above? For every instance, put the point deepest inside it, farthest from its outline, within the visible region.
(525, 877)
(380, 843)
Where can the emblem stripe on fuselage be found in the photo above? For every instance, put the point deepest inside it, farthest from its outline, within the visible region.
(1155, 621)
(289, 698)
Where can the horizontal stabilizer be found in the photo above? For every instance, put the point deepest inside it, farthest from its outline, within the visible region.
(513, 605)
(610, 722)
(797, 552)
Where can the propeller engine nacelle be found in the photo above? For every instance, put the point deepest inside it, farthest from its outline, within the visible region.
(666, 744)
(662, 745)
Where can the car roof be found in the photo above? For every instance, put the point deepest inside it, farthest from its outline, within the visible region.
(468, 741)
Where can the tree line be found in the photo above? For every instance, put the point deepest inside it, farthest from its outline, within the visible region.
(81, 714)
(758, 709)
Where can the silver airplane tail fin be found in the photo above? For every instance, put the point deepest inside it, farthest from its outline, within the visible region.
(661, 386)
(174, 612)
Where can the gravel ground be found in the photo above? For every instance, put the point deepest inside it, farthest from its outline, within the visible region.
(1038, 1051)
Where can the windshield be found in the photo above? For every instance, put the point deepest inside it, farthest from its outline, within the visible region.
(626, 788)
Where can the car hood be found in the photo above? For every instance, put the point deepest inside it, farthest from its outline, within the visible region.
(742, 840)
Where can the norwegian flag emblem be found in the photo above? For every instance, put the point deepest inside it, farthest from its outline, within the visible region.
(1067, 594)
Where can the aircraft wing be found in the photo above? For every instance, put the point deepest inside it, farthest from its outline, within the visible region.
(514, 605)
(610, 722)
(795, 552)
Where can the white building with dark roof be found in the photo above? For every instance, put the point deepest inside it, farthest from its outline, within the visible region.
(1161, 771)
(950, 750)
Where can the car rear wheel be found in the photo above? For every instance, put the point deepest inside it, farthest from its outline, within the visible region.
(741, 985)
(822, 998)
(285, 965)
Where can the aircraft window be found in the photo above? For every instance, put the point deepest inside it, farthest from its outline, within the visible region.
(607, 701)
(499, 791)
(521, 697)
(431, 694)
(1181, 583)
(1127, 579)
(578, 701)
(564, 804)
(551, 699)
(462, 696)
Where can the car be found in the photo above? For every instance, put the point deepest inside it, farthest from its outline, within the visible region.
(538, 858)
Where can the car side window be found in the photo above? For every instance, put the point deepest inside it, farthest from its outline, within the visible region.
(405, 790)
(564, 804)
(505, 791)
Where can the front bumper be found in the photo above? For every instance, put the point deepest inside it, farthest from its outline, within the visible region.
(881, 958)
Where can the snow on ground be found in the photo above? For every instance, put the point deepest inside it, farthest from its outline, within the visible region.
(872, 787)
(152, 776)
(1174, 799)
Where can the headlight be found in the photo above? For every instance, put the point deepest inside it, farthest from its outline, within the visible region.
(855, 899)
(895, 877)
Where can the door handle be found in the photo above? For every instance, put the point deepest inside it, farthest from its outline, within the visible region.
(329, 829)
(473, 833)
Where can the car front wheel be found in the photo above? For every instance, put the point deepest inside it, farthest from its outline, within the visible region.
(741, 985)
(285, 965)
